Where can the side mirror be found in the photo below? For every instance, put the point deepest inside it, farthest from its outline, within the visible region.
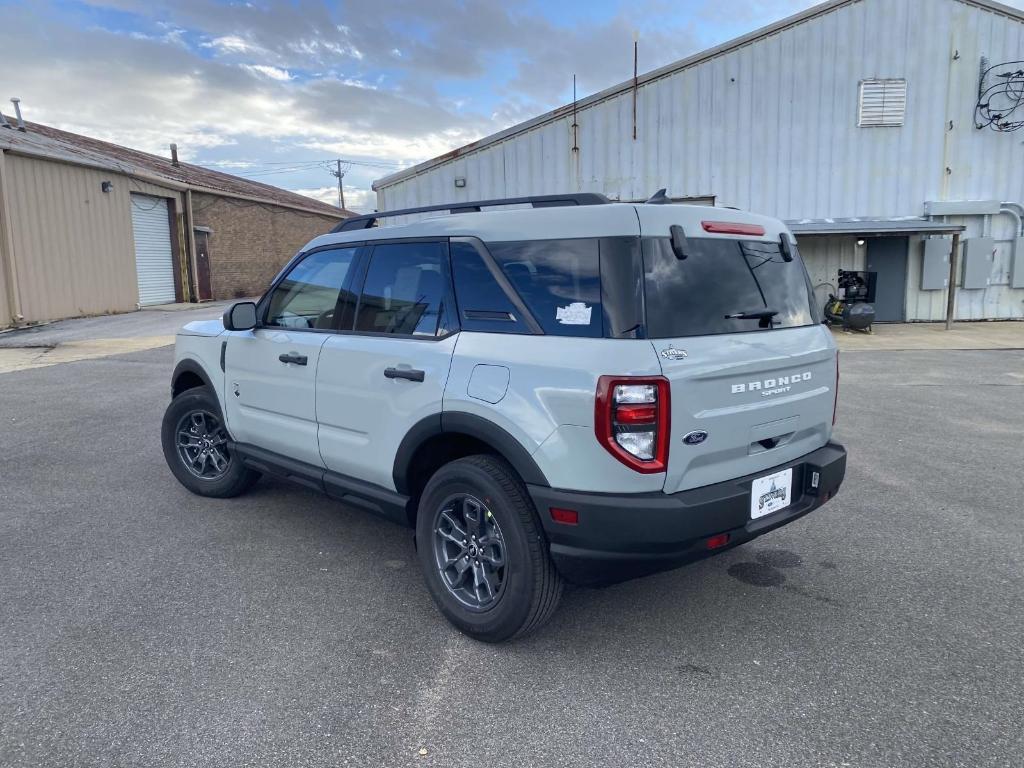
(240, 316)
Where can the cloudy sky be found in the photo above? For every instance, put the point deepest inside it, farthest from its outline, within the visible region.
(271, 88)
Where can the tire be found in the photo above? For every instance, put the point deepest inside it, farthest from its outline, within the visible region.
(231, 479)
(528, 586)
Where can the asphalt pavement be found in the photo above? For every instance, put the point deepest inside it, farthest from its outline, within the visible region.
(143, 626)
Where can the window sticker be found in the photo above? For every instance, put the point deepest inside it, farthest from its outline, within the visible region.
(576, 313)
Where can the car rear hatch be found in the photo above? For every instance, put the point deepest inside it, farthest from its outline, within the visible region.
(752, 371)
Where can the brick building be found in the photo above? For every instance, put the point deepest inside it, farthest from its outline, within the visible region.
(88, 227)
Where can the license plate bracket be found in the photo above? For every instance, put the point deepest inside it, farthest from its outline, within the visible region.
(771, 493)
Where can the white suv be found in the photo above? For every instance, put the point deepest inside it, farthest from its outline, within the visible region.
(568, 388)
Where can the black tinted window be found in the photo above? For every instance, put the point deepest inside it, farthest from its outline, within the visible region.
(308, 295)
(404, 290)
(483, 305)
(691, 297)
(559, 280)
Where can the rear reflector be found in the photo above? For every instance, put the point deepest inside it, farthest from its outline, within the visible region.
(636, 414)
(718, 541)
(565, 516)
(732, 228)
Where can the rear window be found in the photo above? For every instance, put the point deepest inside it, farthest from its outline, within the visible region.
(559, 281)
(720, 277)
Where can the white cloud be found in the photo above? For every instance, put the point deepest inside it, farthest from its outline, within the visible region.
(230, 44)
(356, 199)
(274, 73)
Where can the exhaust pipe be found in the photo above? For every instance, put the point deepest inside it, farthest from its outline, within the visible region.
(17, 111)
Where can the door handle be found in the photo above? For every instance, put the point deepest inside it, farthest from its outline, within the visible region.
(404, 373)
(291, 357)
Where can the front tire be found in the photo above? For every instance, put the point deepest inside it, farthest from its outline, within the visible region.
(195, 443)
(483, 552)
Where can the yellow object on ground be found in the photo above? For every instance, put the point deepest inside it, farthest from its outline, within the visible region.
(22, 358)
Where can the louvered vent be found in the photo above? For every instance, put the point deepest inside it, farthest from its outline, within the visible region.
(882, 103)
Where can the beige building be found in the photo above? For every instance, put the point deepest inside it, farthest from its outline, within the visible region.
(88, 228)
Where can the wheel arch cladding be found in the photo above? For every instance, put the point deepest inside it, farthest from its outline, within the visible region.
(440, 438)
(188, 374)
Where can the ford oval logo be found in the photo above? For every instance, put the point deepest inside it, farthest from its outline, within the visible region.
(696, 437)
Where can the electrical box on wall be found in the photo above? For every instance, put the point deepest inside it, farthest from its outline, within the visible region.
(935, 263)
(978, 262)
(1017, 264)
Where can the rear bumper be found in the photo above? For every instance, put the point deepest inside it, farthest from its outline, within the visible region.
(619, 537)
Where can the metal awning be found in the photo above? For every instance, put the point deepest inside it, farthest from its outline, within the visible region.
(902, 225)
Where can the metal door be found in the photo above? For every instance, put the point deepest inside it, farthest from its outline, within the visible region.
(203, 264)
(154, 258)
(888, 257)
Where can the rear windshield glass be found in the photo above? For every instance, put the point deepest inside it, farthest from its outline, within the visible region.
(559, 280)
(721, 278)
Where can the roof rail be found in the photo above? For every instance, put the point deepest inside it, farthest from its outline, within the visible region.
(537, 201)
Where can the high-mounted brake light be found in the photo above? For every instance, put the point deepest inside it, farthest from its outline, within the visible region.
(732, 228)
(631, 420)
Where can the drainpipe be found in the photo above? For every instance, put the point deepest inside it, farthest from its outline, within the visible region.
(190, 234)
(1017, 211)
(7, 263)
(1014, 211)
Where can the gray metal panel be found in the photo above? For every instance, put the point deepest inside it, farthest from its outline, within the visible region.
(935, 263)
(977, 262)
(1017, 264)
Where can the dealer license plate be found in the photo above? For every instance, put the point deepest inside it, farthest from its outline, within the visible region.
(771, 493)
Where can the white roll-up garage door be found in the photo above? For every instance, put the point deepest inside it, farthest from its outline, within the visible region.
(154, 261)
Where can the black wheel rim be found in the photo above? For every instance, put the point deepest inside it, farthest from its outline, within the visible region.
(202, 445)
(470, 552)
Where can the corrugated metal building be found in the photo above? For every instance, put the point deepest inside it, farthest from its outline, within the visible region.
(88, 228)
(858, 121)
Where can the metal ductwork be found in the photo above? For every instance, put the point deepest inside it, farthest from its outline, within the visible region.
(17, 111)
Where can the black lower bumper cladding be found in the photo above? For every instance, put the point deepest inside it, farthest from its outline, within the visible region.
(622, 536)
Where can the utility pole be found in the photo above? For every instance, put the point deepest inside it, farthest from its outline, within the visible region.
(340, 174)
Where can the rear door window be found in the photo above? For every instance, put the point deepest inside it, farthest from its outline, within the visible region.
(721, 277)
(404, 290)
(558, 280)
(483, 305)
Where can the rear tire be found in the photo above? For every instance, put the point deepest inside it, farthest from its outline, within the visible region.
(195, 443)
(499, 582)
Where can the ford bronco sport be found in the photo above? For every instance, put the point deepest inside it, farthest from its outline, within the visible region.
(565, 389)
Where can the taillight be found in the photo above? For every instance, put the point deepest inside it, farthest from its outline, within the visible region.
(631, 420)
(835, 402)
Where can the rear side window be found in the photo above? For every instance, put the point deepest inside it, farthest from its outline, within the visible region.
(404, 290)
(720, 277)
(559, 280)
(483, 305)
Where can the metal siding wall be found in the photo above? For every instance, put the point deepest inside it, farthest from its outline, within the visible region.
(772, 127)
(72, 242)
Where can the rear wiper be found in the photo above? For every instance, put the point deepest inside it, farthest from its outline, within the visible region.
(756, 314)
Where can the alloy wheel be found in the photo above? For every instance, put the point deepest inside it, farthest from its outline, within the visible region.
(469, 551)
(202, 445)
